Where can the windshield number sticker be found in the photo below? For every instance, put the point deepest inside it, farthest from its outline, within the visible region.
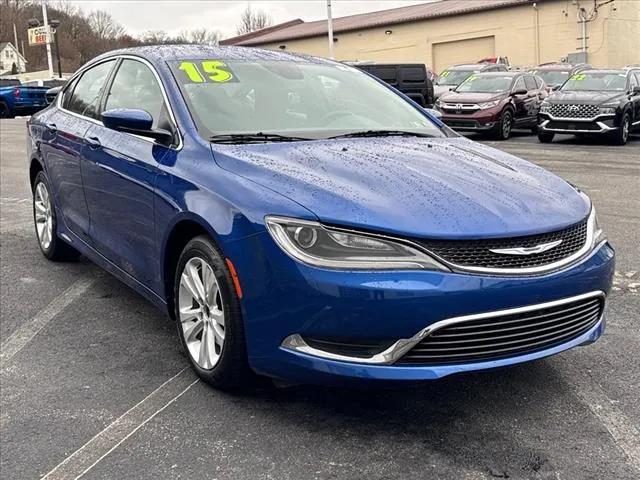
(214, 71)
(445, 73)
(578, 76)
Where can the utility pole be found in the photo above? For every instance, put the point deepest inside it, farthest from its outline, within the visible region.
(15, 37)
(46, 24)
(330, 28)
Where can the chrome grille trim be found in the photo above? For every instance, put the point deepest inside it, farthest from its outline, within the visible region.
(397, 351)
(573, 110)
(526, 270)
(449, 342)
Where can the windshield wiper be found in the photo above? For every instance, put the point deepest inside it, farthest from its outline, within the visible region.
(383, 133)
(258, 137)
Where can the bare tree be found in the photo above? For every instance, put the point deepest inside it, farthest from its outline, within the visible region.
(156, 37)
(203, 35)
(252, 21)
(104, 26)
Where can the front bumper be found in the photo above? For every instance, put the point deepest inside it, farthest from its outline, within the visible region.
(283, 298)
(480, 120)
(597, 125)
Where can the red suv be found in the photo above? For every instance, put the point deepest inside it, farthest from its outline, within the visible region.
(494, 103)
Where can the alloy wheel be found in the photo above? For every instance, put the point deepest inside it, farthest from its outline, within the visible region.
(625, 129)
(506, 125)
(43, 215)
(201, 310)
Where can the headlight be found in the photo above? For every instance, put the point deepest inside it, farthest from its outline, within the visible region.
(320, 246)
(544, 107)
(607, 110)
(489, 104)
(597, 232)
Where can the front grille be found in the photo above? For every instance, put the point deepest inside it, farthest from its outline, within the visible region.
(568, 110)
(477, 253)
(495, 337)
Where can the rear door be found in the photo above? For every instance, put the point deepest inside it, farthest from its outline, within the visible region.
(534, 99)
(119, 175)
(63, 141)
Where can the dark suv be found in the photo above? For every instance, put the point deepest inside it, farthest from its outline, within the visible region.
(412, 79)
(555, 74)
(454, 76)
(593, 102)
(494, 103)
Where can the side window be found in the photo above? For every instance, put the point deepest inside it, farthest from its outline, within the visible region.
(85, 96)
(68, 92)
(539, 82)
(530, 82)
(634, 80)
(135, 86)
(519, 85)
(638, 78)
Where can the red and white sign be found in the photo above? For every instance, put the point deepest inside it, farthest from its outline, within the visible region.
(39, 35)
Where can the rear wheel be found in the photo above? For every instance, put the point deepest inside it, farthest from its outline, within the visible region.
(502, 131)
(46, 223)
(207, 311)
(545, 137)
(621, 135)
(4, 110)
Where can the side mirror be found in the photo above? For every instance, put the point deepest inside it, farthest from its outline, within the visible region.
(51, 94)
(635, 90)
(137, 122)
(434, 113)
(520, 91)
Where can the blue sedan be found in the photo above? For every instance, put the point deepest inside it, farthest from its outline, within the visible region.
(301, 220)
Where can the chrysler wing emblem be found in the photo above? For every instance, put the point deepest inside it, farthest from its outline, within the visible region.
(543, 247)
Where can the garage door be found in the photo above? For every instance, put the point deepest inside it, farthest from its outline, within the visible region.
(471, 50)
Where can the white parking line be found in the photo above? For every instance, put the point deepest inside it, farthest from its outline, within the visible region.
(25, 333)
(624, 433)
(102, 444)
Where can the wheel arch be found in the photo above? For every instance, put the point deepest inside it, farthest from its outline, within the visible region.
(183, 229)
(35, 167)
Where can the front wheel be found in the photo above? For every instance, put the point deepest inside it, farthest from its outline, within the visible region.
(621, 135)
(502, 131)
(207, 311)
(544, 137)
(46, 222)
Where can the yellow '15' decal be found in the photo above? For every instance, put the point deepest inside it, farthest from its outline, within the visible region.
(216, 71)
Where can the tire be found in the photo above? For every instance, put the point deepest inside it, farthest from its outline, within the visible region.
(534, 129)
(621, 135)
(218, 317)
(5, 112)
(46, 223)
(502, 131)
(545, 137)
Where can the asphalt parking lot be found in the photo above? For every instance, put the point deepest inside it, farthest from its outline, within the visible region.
(94, 385)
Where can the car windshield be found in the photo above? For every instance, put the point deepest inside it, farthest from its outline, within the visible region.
(552, 77)
(485, 84)
(453, 77)
(292, 99)
(596, 81)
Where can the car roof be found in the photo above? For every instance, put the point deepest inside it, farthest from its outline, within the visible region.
(470, 66)
(502, 74)
(607, 70)
(164, 53)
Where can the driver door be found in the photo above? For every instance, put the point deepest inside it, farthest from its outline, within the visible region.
(120, 172)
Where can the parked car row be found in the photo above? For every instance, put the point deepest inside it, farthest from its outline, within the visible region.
(588, 102)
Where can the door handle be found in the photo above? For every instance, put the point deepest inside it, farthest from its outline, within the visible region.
(93, 142)
(51, 128)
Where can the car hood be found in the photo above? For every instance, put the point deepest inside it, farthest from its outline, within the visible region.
(417, 187)
(441, 89)
(470, 97)
(588, 98)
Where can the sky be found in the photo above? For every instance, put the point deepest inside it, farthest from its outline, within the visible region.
(172, 16)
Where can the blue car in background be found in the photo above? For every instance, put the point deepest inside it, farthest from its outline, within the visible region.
(300, 219)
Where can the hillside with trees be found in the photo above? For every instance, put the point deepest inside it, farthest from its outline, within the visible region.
(82, 35)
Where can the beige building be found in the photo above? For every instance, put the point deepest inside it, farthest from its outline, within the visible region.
(447, 32)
